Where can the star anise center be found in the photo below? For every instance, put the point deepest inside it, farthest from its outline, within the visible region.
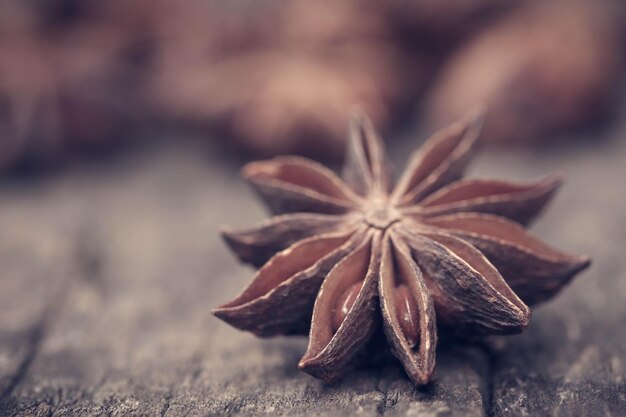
(382, 216)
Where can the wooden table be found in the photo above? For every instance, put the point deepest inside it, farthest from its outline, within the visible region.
(108, 273)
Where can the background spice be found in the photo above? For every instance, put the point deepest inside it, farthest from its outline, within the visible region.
(283, 76)
(547, 68)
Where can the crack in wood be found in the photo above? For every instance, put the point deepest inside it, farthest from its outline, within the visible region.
(166, 403)
(489, 380)
(34, 340)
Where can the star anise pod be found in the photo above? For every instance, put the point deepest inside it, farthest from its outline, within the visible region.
(520, 68)
(434, 250)
(62, 87)
(284, 78)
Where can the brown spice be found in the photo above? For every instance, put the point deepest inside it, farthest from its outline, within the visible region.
(543, 70)
(285, 78)
(341, 253)
(62, 86)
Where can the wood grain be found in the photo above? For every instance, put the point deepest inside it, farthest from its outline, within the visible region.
(108, 272)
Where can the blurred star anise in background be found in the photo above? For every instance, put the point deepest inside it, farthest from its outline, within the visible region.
(547, 68)
(284, 76)
(65, 81)
(277, 76)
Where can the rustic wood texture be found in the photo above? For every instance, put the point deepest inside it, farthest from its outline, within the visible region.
(108, 273)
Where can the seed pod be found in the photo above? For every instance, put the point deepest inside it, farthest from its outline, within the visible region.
(409, 317)
(547, 68)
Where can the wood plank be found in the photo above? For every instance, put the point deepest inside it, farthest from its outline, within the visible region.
(134, 335)
(36, 256)
(572, 359)
(107, 276)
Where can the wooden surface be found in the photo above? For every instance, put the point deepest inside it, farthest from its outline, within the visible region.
(108, 272)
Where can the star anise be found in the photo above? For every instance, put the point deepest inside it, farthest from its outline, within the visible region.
(521, 69)
(61, 87)
(434, 250)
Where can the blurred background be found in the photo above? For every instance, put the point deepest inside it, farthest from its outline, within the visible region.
(264, 78)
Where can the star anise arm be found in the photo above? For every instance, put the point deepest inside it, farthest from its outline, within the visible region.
(367, 167)
(345, 313)
(408, 312)
(533, 269)
(517, 201)
(441, 160)
(469, 293)
(257, 244)
(292, 184)
(294, 274)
